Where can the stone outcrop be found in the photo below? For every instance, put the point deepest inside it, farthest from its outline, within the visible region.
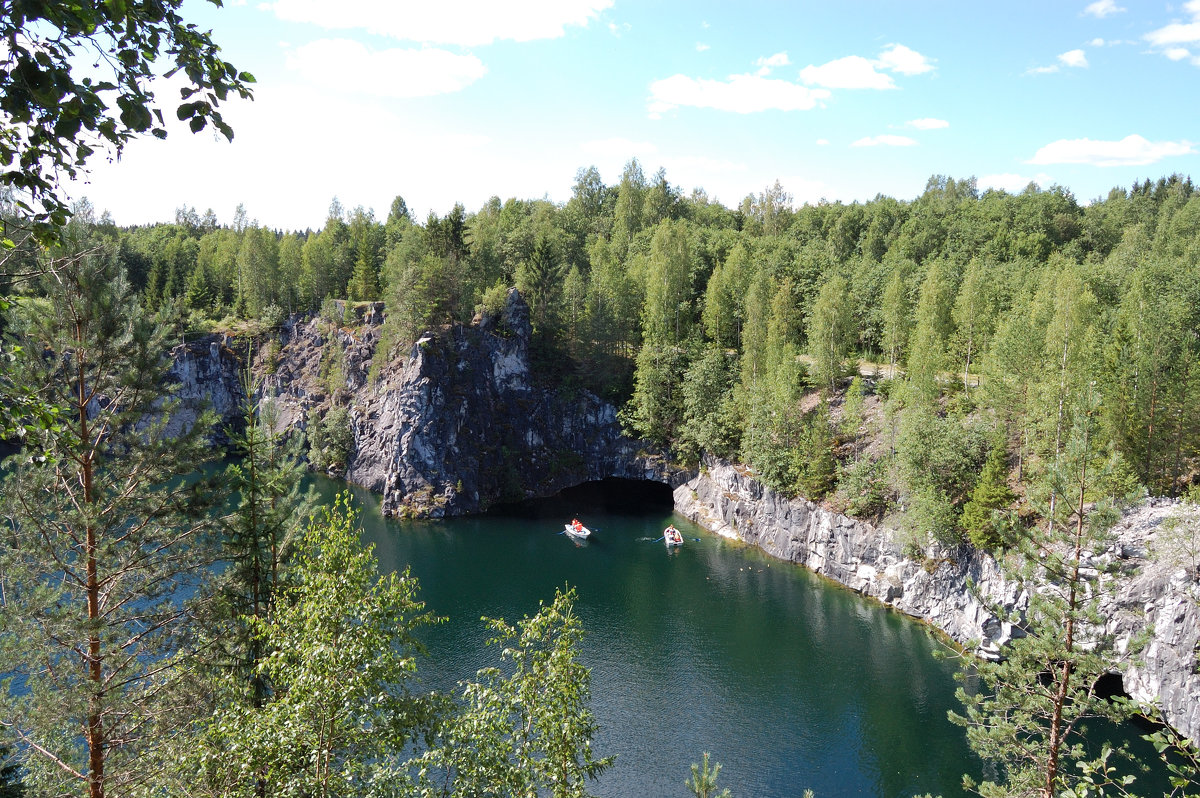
(205, 376)
(458, 423)
(1150, 598)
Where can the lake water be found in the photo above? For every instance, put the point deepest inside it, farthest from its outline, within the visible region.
(786, 679)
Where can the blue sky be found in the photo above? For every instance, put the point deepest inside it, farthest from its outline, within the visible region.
(457, 101)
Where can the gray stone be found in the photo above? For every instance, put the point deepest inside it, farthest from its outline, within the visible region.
(1149, 599)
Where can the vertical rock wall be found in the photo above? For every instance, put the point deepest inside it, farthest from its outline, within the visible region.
(1152, 600)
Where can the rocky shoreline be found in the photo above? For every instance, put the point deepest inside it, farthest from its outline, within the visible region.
(458, 424)
(1152, 600)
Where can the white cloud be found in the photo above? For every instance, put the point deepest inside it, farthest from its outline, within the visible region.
(1103, 8)
(741, 94)
(466, 23)
(1177, 33)
(851, 72)
(765, 65)
(822, 142)
(349, 66)
(899, 58)
(701, 47)
(928, 123)
(857, 72)
(1177, 53)
(1096, 43)
(1130, 151)
(885, 140)
(272, 139)
(1073, 58)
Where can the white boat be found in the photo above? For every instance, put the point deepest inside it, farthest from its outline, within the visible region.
(578, 531)
(672, 536)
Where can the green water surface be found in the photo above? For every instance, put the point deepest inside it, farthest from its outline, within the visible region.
(788, 680)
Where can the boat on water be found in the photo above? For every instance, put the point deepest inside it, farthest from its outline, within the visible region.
(577, 530)
(672, 536)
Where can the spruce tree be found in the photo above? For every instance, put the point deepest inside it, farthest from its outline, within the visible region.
(991, 493)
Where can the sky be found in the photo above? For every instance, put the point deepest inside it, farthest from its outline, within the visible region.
(459, 100)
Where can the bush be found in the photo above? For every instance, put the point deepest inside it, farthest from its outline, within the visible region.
(330, 440)
(864, 490)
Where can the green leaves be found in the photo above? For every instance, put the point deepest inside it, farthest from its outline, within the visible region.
(528, 733)
(47, 107)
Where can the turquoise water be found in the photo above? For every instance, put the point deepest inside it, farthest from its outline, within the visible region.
(789, 681)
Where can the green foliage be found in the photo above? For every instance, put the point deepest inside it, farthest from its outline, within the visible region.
(1182, 758)
(10, 775)
(711, 416)
(1178, 539)
(656, 410)
(55, 118)
(330, 439)
(340, 652)
(816, 469)
(703, 783)
(985, 527)
(830, 334)
(101, 534)
(257, 538)
(1030, 716)
(863, 488)
(938, 455)
(852, 409)
(524, 729)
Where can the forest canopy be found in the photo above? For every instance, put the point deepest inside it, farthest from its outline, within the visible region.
(953, 325)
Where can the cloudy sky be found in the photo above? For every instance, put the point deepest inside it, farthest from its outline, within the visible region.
(457, 100)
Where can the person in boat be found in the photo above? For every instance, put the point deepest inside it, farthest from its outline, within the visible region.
(576, 525)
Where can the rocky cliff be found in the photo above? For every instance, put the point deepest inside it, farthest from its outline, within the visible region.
(205, 375)
(1151, 598)
(458, 423)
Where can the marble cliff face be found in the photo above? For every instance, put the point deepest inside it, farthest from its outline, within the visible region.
(458, 424)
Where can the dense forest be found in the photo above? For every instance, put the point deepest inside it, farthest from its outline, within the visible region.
(1004, 370)
(923, 358)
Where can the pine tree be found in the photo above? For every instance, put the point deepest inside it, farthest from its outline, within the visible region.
(258, 535)
(101, 536)
(1030, 717)
(10, 776)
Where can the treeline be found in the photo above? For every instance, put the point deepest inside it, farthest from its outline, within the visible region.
(975, 317)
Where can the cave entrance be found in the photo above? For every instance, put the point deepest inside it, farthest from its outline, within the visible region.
(610, 496)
